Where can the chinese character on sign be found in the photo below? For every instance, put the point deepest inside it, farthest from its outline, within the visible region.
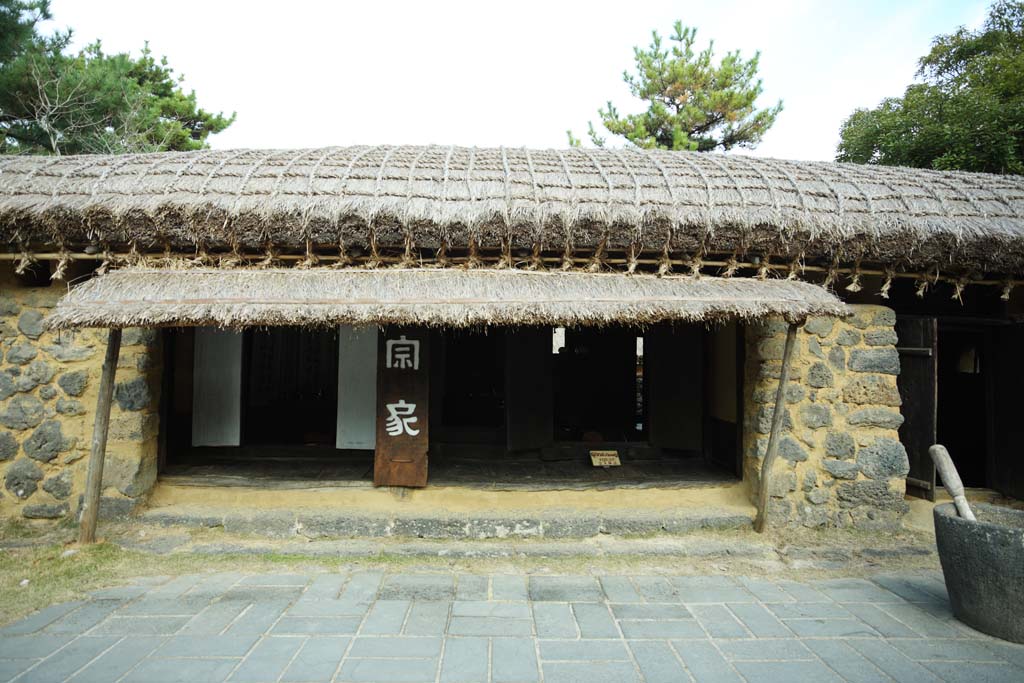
(403, 353)
(400, 419)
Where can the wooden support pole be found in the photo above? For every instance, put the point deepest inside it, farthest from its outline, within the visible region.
(773, 438)
(94, 480)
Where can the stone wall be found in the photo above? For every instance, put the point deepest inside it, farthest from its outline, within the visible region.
(48, 387)
(841, 463)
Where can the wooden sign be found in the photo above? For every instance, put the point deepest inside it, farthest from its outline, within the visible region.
(605, 458)
(403, 390)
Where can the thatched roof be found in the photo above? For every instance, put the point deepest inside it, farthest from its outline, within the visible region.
(436, 297)
(516, 198)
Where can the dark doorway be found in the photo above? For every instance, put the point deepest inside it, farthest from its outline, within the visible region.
(470, 386)
(290, 387)
(962, 425)
(595, 385)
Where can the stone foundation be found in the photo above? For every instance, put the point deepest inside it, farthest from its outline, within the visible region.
(48, 387)
(841, 463)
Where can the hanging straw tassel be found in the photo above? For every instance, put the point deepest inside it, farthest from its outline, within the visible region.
(832, 275)
(269, 256)
(311, 260)
(567, 256)
(473, 259)
(505, 260)
(731, 266)
(1007, 289)
(795, 268)
(62, 265)
(107, 262)
(25, 261)
(922, 286)
(696, 263)
(597, 260)
(854, 285)
(631, 259)
(890, 273)
(763, 269)
(441, 255)
(958, 289)
(536, 260)
(665, 264)
(408, 259)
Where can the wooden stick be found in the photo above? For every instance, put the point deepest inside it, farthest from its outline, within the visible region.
(951, 479)
(773, 438)
(94, 479)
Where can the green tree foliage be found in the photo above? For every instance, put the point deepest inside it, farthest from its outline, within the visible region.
(53, 102)
(692, 103)
(967, 112)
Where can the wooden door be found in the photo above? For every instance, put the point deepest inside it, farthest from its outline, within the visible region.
(918, 386)
(674, 375)
(1008, 414)
(529, 395)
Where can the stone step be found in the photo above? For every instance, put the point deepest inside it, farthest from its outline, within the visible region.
(341, 524)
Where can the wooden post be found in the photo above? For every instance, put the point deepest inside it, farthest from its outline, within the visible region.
(773, 438)
(94, 480)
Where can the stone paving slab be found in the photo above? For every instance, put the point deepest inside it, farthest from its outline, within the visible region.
(376, 627)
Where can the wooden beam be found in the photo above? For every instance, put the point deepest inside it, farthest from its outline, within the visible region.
(94, 480)
(773, 438)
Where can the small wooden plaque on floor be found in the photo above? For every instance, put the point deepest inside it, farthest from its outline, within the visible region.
(605, 458)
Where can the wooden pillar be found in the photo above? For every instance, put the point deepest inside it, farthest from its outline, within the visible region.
(94, 480)
(403, 413)
(773, 438)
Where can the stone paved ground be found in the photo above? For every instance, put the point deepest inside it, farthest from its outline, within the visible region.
(368, 626)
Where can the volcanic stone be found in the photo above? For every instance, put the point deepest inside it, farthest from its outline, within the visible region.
(22, 478)
(874, 494)
(7, 386)
(30, 324)
(59, 486)
(19, 354)
(875, 417)
(883, 459)
(819, 376)
(132, 395)
(841, 469)
(45, 510)
(819, 326)
(67, 406)
(816, 416)
(839, 445)
(791, 450)
(74, 383)
(46, 442)
(848, 338)
(8, 446)
(23, 412)
(872, 390)
(885, 361)
(884, 337)
(69, 352)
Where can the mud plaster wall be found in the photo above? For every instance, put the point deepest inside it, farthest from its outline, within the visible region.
(841, 463)
(48, 387)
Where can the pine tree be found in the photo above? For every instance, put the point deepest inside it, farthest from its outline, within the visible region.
(692, 103)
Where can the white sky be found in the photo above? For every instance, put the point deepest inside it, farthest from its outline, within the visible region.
(307, 74)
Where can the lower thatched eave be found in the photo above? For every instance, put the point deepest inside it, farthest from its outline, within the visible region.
(438, 298)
